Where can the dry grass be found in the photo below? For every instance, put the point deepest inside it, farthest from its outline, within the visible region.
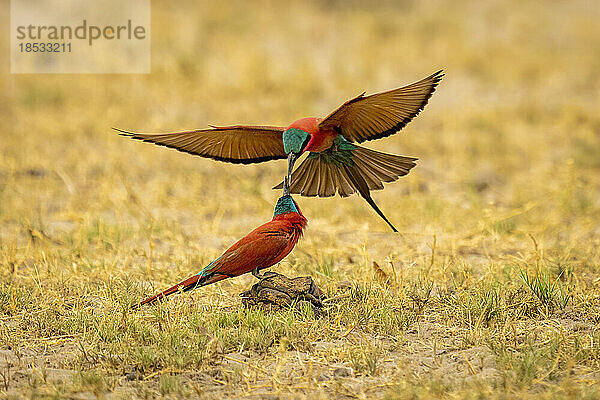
(490, 291)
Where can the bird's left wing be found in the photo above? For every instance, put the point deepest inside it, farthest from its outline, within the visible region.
(239, 144)
(383, 114)
(260, 249)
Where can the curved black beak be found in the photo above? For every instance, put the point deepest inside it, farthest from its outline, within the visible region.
(286, 186)
(291, 160)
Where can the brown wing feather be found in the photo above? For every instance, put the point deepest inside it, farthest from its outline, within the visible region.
(237, 144)
(377, 167)
(312, 181)
(330, 181)
(383, 114)
(342, 184)
(316, 177)
(305, 179)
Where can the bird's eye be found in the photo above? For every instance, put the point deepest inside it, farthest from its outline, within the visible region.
(305, 143)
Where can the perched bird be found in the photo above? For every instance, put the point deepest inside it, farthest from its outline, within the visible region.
(263, 247)
(335, 162)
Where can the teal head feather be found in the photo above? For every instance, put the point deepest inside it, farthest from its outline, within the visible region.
(293, 140)
(285, 204)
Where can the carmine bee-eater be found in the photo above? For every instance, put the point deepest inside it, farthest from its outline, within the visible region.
(335, 162)
(263, 247)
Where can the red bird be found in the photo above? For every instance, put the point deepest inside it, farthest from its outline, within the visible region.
(334, 163)
(263, 247)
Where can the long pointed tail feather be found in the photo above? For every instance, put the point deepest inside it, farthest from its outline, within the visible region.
(355, 176)
(188, 284)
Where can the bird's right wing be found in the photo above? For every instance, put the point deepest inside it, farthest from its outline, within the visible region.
(381, 114)
(239, 144)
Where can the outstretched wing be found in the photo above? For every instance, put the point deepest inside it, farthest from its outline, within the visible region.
(383, 114)
(237, 144)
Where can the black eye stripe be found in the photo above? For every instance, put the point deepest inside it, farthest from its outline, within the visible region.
(305, 143)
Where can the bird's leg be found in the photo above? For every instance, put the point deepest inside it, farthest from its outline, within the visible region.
(267, 274)
(256, 274)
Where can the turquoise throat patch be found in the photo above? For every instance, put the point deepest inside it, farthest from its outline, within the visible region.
(293, 139)
(285, 204)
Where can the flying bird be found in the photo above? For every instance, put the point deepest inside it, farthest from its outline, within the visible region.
(263, 247)
(335, 163)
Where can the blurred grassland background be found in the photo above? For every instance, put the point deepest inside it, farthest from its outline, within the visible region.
(498, 256)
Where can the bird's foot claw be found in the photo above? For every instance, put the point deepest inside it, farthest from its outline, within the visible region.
(275, 292)
(268, 274)
(259, 276)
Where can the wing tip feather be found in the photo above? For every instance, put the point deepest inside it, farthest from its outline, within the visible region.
(123, 132)
(434, 83)
(148, 138)
(428, 85)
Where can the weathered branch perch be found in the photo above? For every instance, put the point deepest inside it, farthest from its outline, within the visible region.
(275, 292)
